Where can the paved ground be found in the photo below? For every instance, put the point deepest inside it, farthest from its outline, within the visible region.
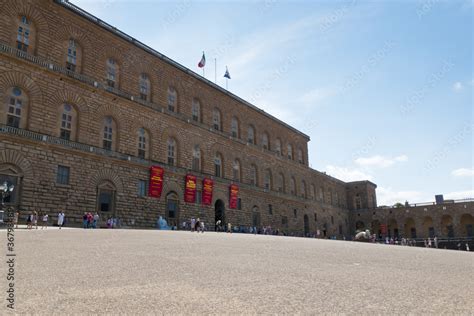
(139, 271)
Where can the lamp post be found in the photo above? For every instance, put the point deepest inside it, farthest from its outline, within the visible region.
(6, 190)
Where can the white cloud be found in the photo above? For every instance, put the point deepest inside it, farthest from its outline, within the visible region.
(457, 195)
(347, 174)
(457, 86)
(380, 161)
(388, 196)
(463, 172)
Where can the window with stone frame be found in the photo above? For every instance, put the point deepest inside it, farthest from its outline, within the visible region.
(62, 176)
(253, 175)
(289, 151)
(142, 143)
(71, 59)
(16, 107)
(68, 122)
(112, 72)
(24, 34)
(268, 180)
(300, 156)
(196, 110)
(303, 189)
(281, 182)
(234, 128)
(265, 141)
(321, 194)
(236, 170)
(145, 89)
(358, 202)
(172, 100)
(278, 146)
(196, 164)
(216, 119)
(251, 135)
(218, 171)
(312, 192)
(171, 145)
(108, 133)
(292, 186)
(142, 188)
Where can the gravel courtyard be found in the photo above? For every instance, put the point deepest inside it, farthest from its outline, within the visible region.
(143, 271)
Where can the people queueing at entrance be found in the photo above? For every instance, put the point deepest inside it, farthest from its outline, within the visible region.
(44, 221)
(61, 217)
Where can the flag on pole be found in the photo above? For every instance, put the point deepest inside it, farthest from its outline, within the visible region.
(227, 75)
(202, 63)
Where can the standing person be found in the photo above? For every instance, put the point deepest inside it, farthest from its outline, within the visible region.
(229, 228)
(198, 225)
(61, 219)
(193, 224)
(28, 221)
(203, 227)
(96, 219)
(467, 247)
(429, 242)
(44, 224)
(218, 225)
(35, 219)
(84, 220)
(436, 241)
(15, 219)
(90, 219)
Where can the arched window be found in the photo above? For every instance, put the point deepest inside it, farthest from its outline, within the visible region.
(336, 199)
(143, 143)
(16, 108)
(112, 73)
(289, 151)
(145, 90)
(72, 54)
(303, 189)
(321, 194)
(172, 99)
(68, 123)
(251, 135)
(234, 128)
(281, 182)
(109, 132)
(236, 170)
(329, 195)
(292, 186)
(253, 175)
(300, 156)
(216, 119)
(171, 144)
(312, 190)
(268, 180)
(278, 146)
(197, 158)
(24, 35)
(265, 142)
(218, 165)
(358, 202)
(196, 110)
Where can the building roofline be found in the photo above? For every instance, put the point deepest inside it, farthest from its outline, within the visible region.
(362, 182)
(77, 10)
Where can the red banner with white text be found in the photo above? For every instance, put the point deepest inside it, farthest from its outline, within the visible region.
(207, 186)
(190, 189)
(234, 195)
(156, 181)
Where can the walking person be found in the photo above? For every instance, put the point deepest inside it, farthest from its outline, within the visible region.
(193, 224)
(436, 241)
(429, 242)
(61, 219)
(28, 221)
(467, 247)
(44, 222)
(198, 225)
(84, 220)
(229, 228)
(96, 219)
(35, 219)
(15, 219)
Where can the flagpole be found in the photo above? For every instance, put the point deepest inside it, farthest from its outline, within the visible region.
(215, 70)
(227, 83)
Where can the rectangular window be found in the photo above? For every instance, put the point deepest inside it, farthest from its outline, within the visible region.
(13, 121)
(315, 217)
(270, 209)
(107, 144)
(198, 197)
(284, 221)
(239, 203)
(141, 188)
(141, 153)
(65, 134)
(295, 213)
(340, 229)
(63, 175)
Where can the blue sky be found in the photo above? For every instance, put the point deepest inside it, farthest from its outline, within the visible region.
(383, 88)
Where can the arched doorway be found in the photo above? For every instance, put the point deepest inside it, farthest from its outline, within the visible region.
(360, 225)
(376, 228)
(306, 226)
(255, 217)
(172, 209)
(219, 211)
(393, 228)
(467, 225)
(106, 200)
(428, 227)
(447, 226)
(410, 228)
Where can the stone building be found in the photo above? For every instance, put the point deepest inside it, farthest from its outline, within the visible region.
(88, 110)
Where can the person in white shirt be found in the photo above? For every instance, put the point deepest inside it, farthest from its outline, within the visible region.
(45, 221)
(60, 219)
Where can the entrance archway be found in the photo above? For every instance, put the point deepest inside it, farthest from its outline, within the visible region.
(172, 209)
(219, 211)
(306, 226)
(392, 228)
(410, 228)
(428, 227)
(106, 200)
(447, 226)
(467, 225)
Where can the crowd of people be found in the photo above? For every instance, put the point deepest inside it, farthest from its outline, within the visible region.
(34, 217)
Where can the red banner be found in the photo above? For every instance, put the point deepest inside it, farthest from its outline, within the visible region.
(207, 186)
(156, 181)
(190, 189)
(383, 228)
(234, 195)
